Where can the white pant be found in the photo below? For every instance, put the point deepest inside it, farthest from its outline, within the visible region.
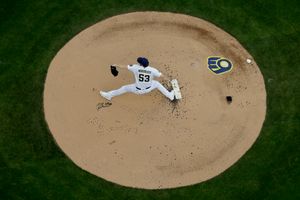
(132, 88)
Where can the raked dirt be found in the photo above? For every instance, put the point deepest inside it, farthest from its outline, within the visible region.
(146, 141)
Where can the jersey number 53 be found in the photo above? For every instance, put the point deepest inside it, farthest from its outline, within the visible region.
(144, 78)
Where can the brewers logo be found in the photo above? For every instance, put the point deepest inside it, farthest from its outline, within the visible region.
(219, 65)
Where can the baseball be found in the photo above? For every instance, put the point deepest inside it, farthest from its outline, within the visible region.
(249, 60)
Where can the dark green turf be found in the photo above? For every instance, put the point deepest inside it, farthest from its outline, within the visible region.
(33, 167)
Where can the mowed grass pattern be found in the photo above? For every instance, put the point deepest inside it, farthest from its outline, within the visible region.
(32, 32)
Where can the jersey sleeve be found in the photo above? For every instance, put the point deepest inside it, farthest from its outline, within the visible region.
(156, 73)
(130, 67)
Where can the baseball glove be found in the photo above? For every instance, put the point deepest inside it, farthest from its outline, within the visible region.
(114, 70)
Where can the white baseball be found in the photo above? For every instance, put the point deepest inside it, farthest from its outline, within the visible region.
(249, 60)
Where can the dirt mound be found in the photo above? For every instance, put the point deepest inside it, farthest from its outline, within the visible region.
(146, 141)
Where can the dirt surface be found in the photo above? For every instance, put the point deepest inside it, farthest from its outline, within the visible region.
(146, 141)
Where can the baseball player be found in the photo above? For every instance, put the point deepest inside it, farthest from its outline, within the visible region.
(144, 83)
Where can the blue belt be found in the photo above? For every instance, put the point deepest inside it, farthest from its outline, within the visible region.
(145, 88)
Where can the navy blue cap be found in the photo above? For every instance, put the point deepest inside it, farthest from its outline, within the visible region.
(143, 61)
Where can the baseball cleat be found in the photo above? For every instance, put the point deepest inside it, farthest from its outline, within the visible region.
(105, 95)
(173, 95)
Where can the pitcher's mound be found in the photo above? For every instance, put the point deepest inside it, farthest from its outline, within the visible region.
(146, 141)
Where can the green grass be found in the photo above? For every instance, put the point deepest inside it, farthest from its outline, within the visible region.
(33, 167)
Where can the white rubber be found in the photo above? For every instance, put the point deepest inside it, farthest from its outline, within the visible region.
(176, 89)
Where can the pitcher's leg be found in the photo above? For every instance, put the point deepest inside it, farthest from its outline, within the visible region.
(122, 90)
(117, 92)
(163, 90)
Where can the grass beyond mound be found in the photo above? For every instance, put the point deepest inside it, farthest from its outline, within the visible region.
(33, 167)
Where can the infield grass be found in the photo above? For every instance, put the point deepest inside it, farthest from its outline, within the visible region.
(33, 167)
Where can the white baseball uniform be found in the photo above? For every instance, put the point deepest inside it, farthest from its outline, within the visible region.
(144, 82)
